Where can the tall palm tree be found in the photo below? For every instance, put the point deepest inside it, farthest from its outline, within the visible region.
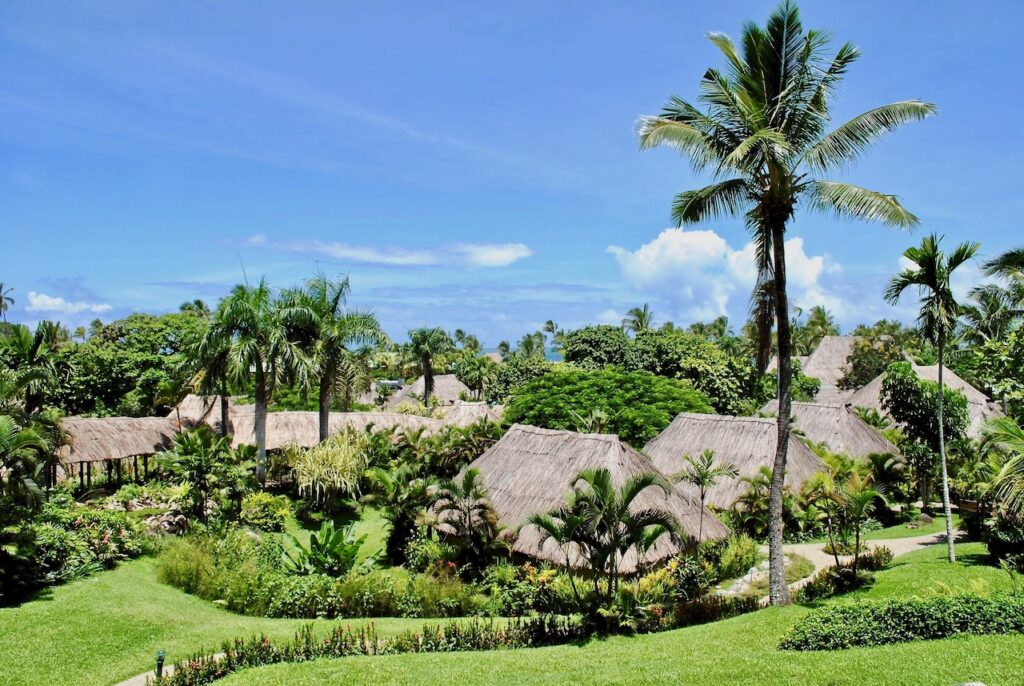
(209, 358)
(335, 331)
(425, 346)
(703, 473)
(993, 312)
(606, 523)
(531, 345)
(5, 300)
(638, 319)
(1009, 265)
(1006, 435)
(261, 349)
(930, 274)
(763, 135)
(198, 306)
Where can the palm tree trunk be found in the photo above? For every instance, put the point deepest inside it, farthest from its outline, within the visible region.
(778, 591)
(950, 543)
(325, 405)
(428, 380)
(223, 407)
(261, 424)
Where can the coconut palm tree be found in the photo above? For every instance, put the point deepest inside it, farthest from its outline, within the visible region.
(930, 273)
(639, 319)
(531, 345)
(703, 473)
(335, 331)
(211, 365)
(599, 523)
(402, 495)
(261, 349)
(992, 313)
(198, 306)
(763, 135)
(1009, 265)
(425, 346)
(5, 300)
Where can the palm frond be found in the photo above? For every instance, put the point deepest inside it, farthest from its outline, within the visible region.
(726, 198)
(854, 202)
(846, 143)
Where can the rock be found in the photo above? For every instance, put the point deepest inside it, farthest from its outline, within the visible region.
(925, 519)
(171, 523)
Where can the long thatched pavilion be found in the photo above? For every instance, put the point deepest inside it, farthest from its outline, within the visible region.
(530, 470)
(837, 426)
(748, 443)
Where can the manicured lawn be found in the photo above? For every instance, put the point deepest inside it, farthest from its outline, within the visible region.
(736, 651)
(938, 526)
(106, 628)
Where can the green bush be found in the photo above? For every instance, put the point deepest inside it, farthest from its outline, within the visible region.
(1004, 535)
(739, 553)
(899, 621)
(594, 347)
(345, 642)
(638, 404)
(831, 581)
(265, 512)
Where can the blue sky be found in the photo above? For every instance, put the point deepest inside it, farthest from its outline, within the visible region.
(468, 164)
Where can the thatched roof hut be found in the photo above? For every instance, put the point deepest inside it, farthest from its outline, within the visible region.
(979, 407)
(530, 470)
(464, 414)
(447, 389)
(303, 428)
(95, 439)
(748, 443)
(495, 357)
(838, 427)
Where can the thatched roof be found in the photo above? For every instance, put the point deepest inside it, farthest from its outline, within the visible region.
(773, 363)
(303, 428)
(447, 389)
(94, 439)
(748, 443)
(464, 414)
(979, 407)
(530, 470)
(495, 357)
(838, 427)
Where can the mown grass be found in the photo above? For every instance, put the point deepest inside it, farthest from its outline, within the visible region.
(368, 521)
(737, 651)
(938, 526)
(106, 628)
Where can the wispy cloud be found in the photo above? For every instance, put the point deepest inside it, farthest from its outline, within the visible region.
(456, 255)
(41, 302)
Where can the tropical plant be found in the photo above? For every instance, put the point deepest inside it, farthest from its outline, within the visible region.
(764, 135)
(262, 350)
(593, 347)
(638, 319)
(331, 470)
(1009, 265)
(403, 495)
(702, 473)
(464, 510)
(331, 552)
(599, 523)
(425, 346)
(33, 354)
(1004, 434)
(22, 461)
(930, 274)
(201, 460)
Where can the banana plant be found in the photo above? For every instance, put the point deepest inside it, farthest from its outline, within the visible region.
(331, 551)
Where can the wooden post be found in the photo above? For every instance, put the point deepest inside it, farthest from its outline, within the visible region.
(145, 467)
(119, 472)
(88, 475)
(109, 464)
(81, 475)
(135, 468)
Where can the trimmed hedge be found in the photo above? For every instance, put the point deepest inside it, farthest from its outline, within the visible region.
(343, 641)
(900, 621)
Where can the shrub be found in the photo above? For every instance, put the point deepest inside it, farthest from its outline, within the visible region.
(738, 555)
(425, 554)
(1004, 536)
(265, 512)
(593, 347)
(346, 642)
(899, 621)
(712, 608)
(311, 596)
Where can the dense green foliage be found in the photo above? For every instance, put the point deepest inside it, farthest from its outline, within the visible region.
(120, 368)
(638, 404)
(913, 404)
(870, 356)
(899, 621)
(264, 511)
(518, 370)
(593, 347)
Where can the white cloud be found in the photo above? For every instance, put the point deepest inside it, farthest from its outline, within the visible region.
(458, 255)
(41, 302)
(702, 276)
(610, 316)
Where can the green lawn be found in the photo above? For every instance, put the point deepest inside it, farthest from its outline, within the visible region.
(938, 526)
(106, 628)
(736, 651)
